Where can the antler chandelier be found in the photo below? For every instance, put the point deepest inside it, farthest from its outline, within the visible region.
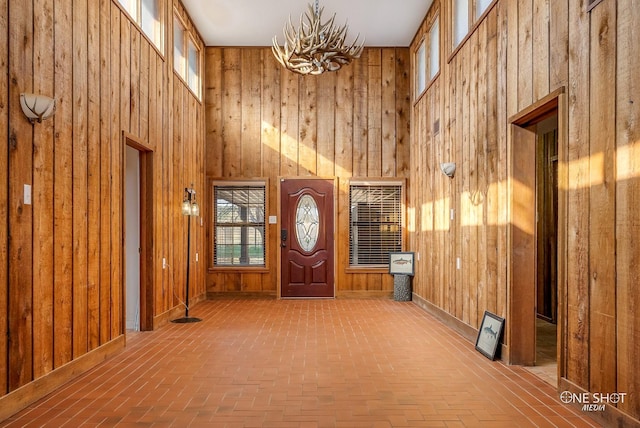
(315, 47)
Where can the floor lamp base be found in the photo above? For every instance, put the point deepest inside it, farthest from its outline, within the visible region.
(186, 320)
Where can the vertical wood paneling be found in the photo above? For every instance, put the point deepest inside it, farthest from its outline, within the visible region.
(343, 166)
(501, 106)
(20, 164)
(326, 130)
(213, 102)
(105, 171)
(627, 190)
(602, 261)
(43, 153)
(558, 43)
(80, 224)
(94, 175)
(251, 152)
(134, 86)
(63, 202)
(4, 201)
(63, 263)
(402, 111)
(271, 93)
(144, 113)
(480, 194)
(540, 48)
(388, 111)
(492, 166)
(307, 126)
(291, 125)
(525, 53)
(360, 109)
(578, 197)
(118, 44)
(374, 114)
(288, 124)
(521, 52)
(232, 99)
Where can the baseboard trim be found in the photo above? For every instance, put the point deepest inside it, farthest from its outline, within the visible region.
(465, 330)
(28, 394)
(364, 294)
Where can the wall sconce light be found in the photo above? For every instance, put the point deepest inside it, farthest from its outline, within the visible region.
(37, 107)
(189, 204)
(190, 208)
(448, 168)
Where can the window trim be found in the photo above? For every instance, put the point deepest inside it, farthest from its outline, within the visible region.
(198, 90)
(379, 181)
(426, 40)
(177, 19)
(187, 37)
(436, 19)
(257, 182)
(422, 47)
(473, 25)
(137, 21)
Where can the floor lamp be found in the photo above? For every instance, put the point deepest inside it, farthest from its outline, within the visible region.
(190, 209)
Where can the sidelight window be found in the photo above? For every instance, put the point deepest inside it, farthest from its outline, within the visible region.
(239, 224)
(375, 222)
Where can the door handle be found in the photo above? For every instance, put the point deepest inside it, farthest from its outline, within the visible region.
(283, 238)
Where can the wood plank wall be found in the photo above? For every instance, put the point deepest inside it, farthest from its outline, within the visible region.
(521, 51)
(62, 275)
(263, 121)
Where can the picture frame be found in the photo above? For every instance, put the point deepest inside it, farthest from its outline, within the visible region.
(401, 263)
(489, 335)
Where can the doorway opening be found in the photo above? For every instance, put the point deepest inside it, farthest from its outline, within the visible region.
(132, 238)
(138, 235)
(536, 270)
(546, 362)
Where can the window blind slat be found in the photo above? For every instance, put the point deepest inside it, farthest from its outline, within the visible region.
(375, 225)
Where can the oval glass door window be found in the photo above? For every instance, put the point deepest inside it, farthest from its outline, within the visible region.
(307, 223)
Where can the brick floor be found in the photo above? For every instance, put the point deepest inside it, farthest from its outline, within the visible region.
(303, 363)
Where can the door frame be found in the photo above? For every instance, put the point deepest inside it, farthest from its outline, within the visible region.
(147, 218)
(521, 263)
(280, 224)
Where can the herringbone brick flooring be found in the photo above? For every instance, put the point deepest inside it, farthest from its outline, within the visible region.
(303, 363)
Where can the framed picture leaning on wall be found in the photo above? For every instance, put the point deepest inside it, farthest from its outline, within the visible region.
(489, 335)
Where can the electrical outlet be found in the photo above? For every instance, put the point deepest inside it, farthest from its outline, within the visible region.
(452, 214)
(196, 257)
(458, 263)
(164, 263)
(27, 194)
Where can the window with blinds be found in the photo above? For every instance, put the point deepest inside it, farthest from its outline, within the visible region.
(239, 225)
(375, 223)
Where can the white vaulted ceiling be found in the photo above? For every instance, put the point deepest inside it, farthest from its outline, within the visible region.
(254, 22)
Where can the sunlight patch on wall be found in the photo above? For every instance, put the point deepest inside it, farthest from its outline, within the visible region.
(471, 203)
(522, 197)
(411, 219)
(426, 222)
(442, 214)
(628, 161)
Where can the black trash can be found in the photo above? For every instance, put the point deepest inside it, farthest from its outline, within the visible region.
(401, 288)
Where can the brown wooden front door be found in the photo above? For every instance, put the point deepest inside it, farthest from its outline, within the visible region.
(306, 238)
